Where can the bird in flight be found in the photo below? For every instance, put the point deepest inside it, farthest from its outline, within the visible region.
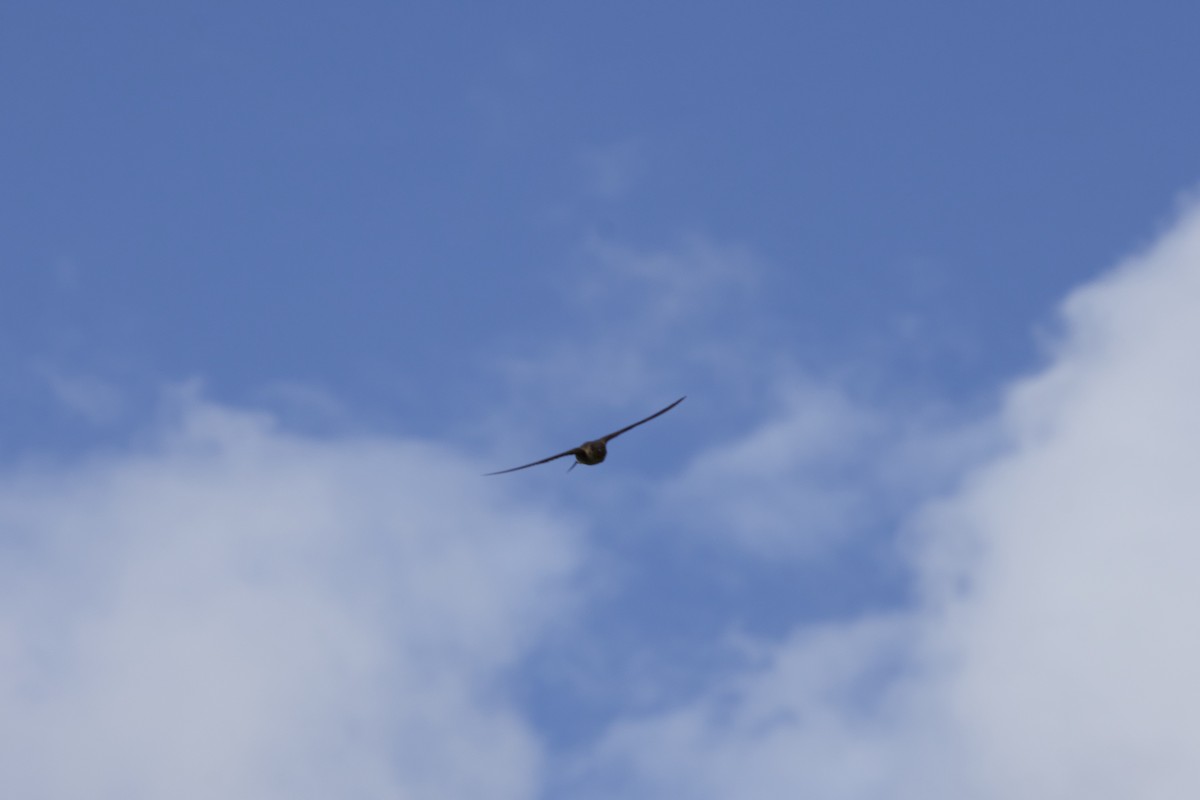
(592, 452)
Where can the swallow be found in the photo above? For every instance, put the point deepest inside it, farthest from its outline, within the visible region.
(593, 452)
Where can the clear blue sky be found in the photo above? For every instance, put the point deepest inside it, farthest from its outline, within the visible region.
(255, 247)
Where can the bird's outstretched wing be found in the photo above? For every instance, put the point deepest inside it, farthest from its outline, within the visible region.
(570, 452)
(615, 434)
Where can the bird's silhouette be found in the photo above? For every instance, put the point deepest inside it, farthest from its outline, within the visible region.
(592, 452)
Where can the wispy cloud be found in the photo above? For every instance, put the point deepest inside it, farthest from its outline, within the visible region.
(645, 322)
(783, 487)
(611, 170)
(668, 286)
(779, 460)
(95, 400)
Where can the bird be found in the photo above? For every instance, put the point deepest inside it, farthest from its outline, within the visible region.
(593, 452)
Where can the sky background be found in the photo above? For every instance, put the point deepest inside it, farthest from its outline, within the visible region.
(279, 282)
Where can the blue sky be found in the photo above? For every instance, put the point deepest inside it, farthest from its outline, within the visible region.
(278, 282)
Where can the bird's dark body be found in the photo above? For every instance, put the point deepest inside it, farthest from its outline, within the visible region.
(591, 453)
(595, 451)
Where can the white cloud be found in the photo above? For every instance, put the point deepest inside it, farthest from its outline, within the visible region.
(1077, 626)
(233, 611)
(1052, 651)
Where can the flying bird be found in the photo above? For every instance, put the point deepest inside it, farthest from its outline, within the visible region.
(592, 452)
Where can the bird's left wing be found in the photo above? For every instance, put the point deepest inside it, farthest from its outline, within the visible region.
(570, 452)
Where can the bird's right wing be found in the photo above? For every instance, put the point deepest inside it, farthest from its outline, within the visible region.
(615, 434)
(570, 452)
